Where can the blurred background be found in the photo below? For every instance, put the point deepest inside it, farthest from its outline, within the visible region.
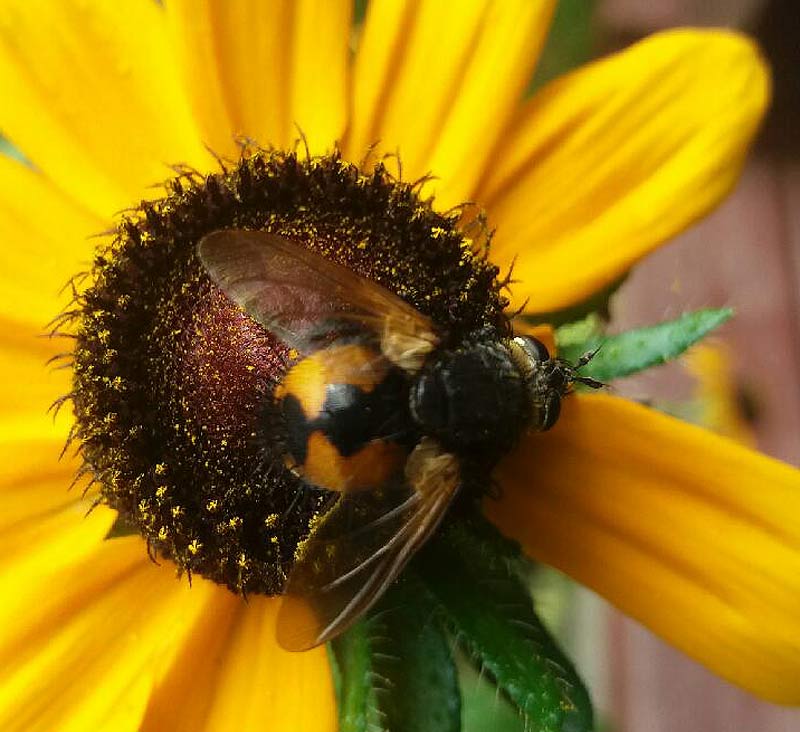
(746, 255)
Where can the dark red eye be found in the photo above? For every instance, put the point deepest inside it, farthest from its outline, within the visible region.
(534, 348)
(552, 410)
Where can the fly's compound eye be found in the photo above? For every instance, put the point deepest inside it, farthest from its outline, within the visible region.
(550, 412)
(533, 347)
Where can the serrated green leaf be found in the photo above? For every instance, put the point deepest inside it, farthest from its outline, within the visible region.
(468, 569)
(353, 659)
(395, 668)
(482, 707)
(411, 654)
(636, 350)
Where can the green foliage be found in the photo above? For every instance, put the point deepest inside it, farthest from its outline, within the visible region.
(352, 654)
(636, 350)
(397, 671)
(569, 43)
(471, 572)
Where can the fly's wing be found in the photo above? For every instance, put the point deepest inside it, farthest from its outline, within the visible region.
(361, 546)
(298, 294)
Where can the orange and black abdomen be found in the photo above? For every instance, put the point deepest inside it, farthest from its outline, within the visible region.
(346, 416)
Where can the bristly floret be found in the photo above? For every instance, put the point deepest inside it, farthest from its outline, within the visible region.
(173, 384)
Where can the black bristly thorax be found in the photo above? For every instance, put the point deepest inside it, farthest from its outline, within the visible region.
(472, 399)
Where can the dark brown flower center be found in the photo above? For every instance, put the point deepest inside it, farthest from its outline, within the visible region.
(173, 382)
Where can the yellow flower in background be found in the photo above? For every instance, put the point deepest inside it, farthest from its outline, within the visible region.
(691, 534)
(717, 396)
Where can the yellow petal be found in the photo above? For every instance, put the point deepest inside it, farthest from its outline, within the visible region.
(91, 96)
(262, 70)
(261, 686)
(688, 532)
(439, 84)
(45, 238)
(320, 77)
(716, 393)
(232, 675)
(80, 645)
(608, 162)
(27, 385)
(33, 482)
(181, 700)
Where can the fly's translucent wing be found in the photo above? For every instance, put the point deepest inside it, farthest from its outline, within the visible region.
(298, 294)
(361, 546)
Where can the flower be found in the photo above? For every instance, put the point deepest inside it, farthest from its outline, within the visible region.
(689, 533)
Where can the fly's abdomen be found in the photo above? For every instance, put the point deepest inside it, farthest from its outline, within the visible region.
(346, 421)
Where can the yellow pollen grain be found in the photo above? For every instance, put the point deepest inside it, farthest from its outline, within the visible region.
(161, 491)
(163, 533)
(194, 546)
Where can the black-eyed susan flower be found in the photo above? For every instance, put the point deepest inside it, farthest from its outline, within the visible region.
(695, 536)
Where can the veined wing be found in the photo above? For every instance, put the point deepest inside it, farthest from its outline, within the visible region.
(361, 546)
(301, 296)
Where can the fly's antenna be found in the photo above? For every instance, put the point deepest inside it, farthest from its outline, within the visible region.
(575, 377)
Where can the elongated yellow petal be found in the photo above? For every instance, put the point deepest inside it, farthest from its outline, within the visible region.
(264, 70)
(610, 161)
(320, 77)
(92, 97)
(80, 645)
(231, 675)
(285, 681)
(690, 533)
(183, 697)
(45, 240)
(438, 83)
(717, 395)
(33, 481)
(27, 386)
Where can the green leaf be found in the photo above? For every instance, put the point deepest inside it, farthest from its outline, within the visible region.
(397, 671)
(353, 660)
(569, 43)
(412, 654)
(470, 570)
(482, 707)
(636, 350)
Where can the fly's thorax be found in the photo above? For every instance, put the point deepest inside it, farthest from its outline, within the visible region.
(473, 398)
